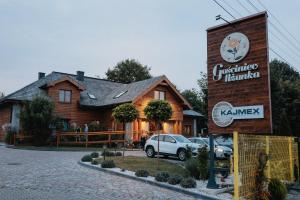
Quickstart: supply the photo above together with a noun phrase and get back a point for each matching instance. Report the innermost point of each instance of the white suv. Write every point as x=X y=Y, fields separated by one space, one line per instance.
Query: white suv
x=170 y=145
x=220 y=151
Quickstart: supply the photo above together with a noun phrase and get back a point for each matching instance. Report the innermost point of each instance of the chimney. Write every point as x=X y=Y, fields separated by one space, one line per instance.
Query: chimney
x=80 y=75
x=41 y=75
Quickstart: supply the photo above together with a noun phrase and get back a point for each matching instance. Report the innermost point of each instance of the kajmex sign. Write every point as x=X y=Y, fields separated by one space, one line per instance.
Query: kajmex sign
x=238 y=76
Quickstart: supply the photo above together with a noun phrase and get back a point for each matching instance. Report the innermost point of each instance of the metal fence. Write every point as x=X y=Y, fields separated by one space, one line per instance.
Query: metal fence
x=282 y=153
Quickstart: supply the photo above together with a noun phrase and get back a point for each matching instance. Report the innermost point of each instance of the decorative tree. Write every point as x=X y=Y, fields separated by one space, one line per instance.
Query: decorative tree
x=158 y=111
x=128 y=71
x=36 y=117
x=125 y=113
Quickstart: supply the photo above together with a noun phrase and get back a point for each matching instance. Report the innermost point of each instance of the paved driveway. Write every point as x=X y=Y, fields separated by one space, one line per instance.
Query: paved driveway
x=43 y=175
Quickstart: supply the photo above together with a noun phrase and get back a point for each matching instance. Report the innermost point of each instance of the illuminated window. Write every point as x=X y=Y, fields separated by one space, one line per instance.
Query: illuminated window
x=161 y=95
x=65 y=96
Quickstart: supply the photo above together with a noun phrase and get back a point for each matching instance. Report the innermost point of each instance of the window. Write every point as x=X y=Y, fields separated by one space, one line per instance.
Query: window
x=169 y=139
x=161 y=137
x=91 y=96
x=161 y=95
x=65 y=96
x=120 y=94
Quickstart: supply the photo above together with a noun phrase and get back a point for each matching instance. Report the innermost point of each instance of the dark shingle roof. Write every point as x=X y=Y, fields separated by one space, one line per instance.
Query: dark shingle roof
x=192 y=113
x=103 y=90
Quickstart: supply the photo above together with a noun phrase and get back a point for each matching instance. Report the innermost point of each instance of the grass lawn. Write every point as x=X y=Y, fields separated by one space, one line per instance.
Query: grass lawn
x=133 y=163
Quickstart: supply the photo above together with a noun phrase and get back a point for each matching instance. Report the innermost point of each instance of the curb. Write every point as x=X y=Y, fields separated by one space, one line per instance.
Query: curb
x=155 y=183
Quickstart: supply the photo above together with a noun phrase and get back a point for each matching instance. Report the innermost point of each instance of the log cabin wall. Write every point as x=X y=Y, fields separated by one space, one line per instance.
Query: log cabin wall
x=5 y=117
x=72 y=111
x=170 y=96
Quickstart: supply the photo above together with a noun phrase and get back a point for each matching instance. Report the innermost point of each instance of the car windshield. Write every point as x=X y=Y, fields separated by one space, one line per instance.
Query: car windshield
x=181 y=139
x=206 y=140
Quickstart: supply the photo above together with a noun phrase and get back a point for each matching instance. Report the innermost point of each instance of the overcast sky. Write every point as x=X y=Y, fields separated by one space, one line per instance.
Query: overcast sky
x=167 y=35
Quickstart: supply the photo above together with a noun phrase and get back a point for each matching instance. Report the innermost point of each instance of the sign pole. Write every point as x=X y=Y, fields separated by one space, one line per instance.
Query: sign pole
x=211 y=184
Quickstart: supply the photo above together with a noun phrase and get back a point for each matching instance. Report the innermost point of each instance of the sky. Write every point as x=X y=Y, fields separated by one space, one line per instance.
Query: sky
x=167 y=35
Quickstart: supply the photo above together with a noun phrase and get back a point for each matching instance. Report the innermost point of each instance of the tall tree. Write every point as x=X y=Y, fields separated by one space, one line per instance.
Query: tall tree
x=125 y=113
x=128 y=71
x=285 y=98
x=36 y=117
x=158 y=111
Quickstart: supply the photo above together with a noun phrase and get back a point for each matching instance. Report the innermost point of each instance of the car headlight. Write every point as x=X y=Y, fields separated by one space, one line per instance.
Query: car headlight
x=220 y=150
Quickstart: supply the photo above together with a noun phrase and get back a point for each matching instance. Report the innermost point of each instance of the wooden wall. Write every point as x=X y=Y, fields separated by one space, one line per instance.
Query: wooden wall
x=5 y=117
x=73 y=111
x=174 y=101
x=244 y=92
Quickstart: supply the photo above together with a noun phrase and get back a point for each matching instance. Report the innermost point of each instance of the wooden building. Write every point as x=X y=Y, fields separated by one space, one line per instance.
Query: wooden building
x=81 y=100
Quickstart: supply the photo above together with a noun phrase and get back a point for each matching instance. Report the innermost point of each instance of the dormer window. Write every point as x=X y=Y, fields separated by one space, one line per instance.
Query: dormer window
x=120 y=94
x=65 y=96
x=160 y=95
x=91 y=96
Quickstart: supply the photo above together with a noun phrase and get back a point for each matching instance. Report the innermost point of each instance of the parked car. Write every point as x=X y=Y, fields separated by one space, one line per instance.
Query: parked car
x=170 y=145
x=225 y=141
x=220 y=151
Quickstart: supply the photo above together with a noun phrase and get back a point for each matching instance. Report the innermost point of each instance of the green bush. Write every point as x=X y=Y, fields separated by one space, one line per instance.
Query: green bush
x=162 y=176
x=40 y=111
x=277 y=189
x=111 y=153
x=95 y=126
x=87 y=158
x=119 y=153
x=192 y=166
x=108 y=164
x=95 y=155
x=142 y=173
x=203 y=163
x=95 y=162
x=188 y=183
x=175 y=179
x=189 y=152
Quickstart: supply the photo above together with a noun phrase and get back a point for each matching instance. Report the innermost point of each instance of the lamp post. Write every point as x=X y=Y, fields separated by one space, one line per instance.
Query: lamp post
x=211 y=184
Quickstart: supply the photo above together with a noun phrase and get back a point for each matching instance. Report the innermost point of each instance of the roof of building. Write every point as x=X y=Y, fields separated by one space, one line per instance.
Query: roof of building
x=97 y=92
x=192 y=113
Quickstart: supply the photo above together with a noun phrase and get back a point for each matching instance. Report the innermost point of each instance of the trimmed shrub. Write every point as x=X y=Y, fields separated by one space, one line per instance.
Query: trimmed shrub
x=95 y=162
x=142 y=173
x=188 y=183
x=119 y=153
x=175 y=179
x=108 y=164
x=162 y=176
x=95 y=155
x=277 y=189
x=189 y=152
x=203 y=163
x=192 y=166
x=87 y=158
x=111 y=153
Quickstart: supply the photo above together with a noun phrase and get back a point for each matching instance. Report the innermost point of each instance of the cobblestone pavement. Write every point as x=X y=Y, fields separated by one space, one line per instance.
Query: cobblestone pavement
x=45 y=175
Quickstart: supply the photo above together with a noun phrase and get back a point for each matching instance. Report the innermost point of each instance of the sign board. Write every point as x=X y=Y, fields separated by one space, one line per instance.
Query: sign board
x=238 y=76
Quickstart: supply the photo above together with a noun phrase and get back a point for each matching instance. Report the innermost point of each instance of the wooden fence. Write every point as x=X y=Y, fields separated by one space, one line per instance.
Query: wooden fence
x=84 y=138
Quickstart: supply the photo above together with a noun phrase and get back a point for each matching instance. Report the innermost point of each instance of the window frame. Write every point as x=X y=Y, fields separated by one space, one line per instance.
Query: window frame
x=64 y=96
x=160 y=92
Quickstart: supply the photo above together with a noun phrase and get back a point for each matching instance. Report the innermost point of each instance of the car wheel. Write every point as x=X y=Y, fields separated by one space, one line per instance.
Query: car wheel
x=182 y=154
x=150 y=152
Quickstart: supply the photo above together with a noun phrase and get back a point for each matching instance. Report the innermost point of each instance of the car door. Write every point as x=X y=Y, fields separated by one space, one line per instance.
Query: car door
x=161 y=144
x=170 y=145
